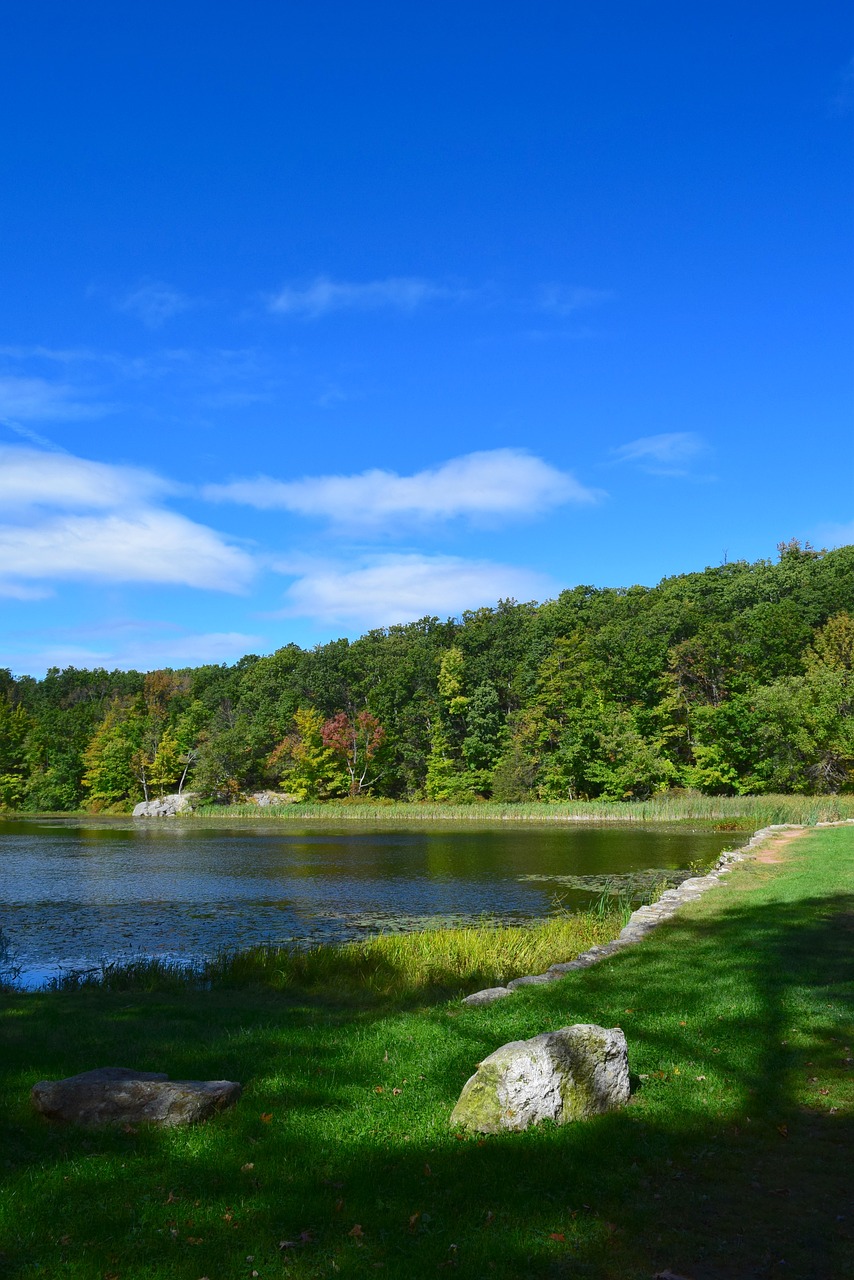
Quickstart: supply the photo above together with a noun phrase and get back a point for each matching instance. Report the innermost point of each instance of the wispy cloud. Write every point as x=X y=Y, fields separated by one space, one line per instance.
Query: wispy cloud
x=32 y=477
x=53 y=535
x=565 y=300
x=40 y=400
x=397 y=293
x=383 y=590
x=488 y=484
x=666 y=455
x=154 y=303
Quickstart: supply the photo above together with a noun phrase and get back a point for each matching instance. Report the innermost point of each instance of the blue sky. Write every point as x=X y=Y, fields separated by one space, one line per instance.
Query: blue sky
x=322 y=317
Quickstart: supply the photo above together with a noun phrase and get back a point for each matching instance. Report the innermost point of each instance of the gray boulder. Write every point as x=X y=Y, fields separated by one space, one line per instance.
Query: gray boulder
x=488 y=996
x=165 y=806
x=563 y=1075
x=115 y=1095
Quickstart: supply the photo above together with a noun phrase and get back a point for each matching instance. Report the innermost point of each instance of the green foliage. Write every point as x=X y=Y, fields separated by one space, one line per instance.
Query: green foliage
x=303 y=763
x=112 y=760
x=730 y=681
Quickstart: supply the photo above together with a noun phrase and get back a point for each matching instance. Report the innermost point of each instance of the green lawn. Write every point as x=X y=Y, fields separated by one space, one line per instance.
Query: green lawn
x=732 y=1161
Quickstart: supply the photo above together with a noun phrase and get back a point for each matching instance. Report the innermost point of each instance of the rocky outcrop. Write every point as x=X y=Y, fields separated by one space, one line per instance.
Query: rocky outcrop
x=562 y=1076
x=116 y=1095
x=165 y=806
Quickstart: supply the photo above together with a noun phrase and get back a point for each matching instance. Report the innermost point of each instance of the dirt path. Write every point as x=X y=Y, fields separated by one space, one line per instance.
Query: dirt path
x=771 y=851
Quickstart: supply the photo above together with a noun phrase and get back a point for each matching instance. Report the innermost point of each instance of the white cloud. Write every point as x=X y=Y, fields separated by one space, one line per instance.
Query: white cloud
x=564 y=300
x=30 y=477
x=38 y=400
x=402 y=588
x=154 y=303
x=664 y=454
x=495 y=482
x=147 y=546
x=53 y=536
x=323 y=295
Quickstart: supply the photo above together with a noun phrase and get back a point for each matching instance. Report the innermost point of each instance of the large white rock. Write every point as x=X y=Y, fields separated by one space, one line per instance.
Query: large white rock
x=165 y=806
x=563 y=1075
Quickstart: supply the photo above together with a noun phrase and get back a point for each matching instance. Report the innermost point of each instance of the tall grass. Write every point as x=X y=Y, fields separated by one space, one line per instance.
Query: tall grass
x=389 y=967
x=741 y=811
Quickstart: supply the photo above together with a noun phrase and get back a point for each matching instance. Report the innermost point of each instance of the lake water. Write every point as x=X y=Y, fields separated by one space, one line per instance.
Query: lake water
x=76 y=893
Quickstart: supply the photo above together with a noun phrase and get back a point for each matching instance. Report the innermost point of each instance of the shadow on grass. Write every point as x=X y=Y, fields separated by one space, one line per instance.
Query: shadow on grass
x=730 y=1163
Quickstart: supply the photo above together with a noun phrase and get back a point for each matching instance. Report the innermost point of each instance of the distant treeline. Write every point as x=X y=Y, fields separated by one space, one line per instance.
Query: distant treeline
x=736 y=680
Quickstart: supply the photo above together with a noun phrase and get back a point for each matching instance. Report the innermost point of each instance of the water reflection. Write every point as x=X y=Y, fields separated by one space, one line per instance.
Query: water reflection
x=75 y=893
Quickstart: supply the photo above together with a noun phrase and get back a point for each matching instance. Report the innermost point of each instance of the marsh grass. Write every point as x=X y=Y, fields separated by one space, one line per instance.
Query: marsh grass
x=392 y=967
x=734 y=813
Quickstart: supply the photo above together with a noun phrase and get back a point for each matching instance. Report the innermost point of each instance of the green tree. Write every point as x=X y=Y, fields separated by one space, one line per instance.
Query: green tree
x=15 y=727
x=110 y=760
x=303 y=762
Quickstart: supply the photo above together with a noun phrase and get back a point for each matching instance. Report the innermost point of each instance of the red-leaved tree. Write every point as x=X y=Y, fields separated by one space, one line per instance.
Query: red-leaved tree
x=355 y=741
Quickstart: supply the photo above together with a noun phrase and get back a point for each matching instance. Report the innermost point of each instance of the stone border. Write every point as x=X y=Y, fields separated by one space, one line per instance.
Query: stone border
x=645 y=919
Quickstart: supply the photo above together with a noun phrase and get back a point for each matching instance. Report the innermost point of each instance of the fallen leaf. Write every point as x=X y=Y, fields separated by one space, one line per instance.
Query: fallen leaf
x=172 y=1198
x=266 y=1117
x=247 y=1168
x=557 y=1235
x=356 y=1232
x=683 y=1024
x=395 y=1092
x=378 y=1089
x=699 y=1077
x=783 y=1130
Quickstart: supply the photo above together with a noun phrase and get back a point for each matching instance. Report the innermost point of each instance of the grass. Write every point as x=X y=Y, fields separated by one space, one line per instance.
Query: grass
x=391 y=968
x=730 y=1161
x=739 y=812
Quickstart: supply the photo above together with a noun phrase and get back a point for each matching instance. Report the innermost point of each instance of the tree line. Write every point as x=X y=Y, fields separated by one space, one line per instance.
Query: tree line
x=735 y=680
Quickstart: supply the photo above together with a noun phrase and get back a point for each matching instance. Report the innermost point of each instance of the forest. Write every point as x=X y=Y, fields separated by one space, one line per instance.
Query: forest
x=735 y=680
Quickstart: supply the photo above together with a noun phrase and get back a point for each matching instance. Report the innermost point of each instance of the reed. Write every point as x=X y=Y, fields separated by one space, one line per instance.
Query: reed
x=740 y=811
x=398 y=967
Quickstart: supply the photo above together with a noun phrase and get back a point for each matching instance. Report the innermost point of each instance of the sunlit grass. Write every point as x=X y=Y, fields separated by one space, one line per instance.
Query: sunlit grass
x=430 y=964
x=741 y=811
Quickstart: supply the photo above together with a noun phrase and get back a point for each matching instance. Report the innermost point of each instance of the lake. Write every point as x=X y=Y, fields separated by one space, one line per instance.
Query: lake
x=76 y=893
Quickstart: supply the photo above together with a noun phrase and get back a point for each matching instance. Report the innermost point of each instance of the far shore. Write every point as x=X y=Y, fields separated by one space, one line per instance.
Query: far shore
x=737 y=812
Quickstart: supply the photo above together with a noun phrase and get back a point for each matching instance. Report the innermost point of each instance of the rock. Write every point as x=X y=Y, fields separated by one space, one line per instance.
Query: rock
x=115 y=1095
x=532 y=980
x=563 y=1075
x=165 y=806
x=488 y=996
x=265 y=798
